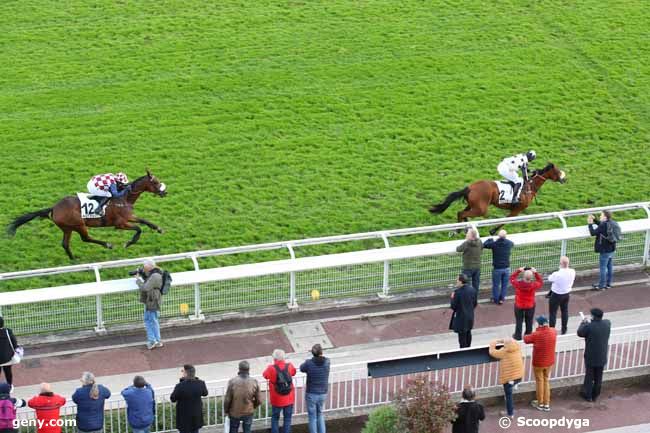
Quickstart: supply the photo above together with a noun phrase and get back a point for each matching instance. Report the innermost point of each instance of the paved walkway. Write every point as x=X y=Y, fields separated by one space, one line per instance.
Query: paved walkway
x=418 y=329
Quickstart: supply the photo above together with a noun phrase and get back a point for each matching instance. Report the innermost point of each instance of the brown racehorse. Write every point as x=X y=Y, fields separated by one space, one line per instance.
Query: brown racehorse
x=483 y=193
x=66 y=214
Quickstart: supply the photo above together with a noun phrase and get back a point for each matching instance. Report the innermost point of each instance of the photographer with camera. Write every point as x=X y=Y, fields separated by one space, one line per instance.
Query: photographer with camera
x=149 y=279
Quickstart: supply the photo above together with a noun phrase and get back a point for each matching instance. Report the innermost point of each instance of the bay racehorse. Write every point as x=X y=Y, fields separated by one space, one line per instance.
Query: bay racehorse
x=483 y=193
x=66 y=214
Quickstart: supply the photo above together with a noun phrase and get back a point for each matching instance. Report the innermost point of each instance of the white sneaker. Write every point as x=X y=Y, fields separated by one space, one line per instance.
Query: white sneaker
x=151 y=346
x=11 y=391
x=158 y=344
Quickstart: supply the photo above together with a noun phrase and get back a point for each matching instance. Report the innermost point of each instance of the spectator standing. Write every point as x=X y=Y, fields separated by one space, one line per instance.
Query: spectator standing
x=471 y=249
x=47 y=405
x=470 y=413
x=501 y=249
x=242 y=398
x=511 y=368
x=605 y=246
x=317 y=370
x=90 y=400
x=596 y=334
x=463 y=303
x=188 y=395
x=279 y=374
x=562 y=283
x=525 y=298
x=8 y=406
x=8 y=345
x=150 y=282
x=543 y=341
x=140 y=405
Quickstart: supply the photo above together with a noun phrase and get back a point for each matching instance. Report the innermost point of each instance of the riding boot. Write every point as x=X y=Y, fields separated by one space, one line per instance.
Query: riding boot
x=100 y=205
x=515 y=194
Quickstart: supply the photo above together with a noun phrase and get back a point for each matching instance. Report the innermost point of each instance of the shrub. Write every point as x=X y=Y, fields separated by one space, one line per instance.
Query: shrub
x=424 y=407
x=382 y=420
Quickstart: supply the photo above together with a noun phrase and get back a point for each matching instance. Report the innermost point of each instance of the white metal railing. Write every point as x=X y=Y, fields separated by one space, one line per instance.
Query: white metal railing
x=382 y=271
x=351 y=388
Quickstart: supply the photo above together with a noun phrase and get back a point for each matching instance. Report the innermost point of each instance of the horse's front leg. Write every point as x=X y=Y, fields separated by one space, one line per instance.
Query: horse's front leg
x=136 y=236
x=135 y=219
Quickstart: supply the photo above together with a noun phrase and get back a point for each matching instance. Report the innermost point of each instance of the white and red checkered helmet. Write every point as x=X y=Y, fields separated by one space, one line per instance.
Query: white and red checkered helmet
x=121 y=178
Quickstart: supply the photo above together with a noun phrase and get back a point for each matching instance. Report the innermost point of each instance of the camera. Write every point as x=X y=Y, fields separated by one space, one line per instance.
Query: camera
x=527 y=268
x=139 y=272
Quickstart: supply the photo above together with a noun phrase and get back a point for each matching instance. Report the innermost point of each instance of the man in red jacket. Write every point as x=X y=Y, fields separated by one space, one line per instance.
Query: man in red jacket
x=543 y=341
x=47 y=405
x=280 y=374
x=525 y=298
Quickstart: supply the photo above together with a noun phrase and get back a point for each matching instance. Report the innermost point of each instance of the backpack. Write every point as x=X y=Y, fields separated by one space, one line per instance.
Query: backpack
x=283 y=380
x=613 y=232
x=7 y=414
x=166 y=282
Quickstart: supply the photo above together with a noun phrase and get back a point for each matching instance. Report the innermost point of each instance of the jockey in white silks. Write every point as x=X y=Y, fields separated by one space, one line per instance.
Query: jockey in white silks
x=510 y=168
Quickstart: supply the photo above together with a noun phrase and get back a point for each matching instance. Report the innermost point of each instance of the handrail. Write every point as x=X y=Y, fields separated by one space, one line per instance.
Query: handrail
x=315 y=241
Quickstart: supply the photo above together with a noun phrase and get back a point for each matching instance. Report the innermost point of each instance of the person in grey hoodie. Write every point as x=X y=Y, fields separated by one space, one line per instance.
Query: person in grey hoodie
x=472 y=249
x=318 y=371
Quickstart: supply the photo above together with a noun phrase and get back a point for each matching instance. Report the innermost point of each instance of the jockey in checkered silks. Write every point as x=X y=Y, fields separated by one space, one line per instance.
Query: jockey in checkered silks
x=510 y=168
x=108 y=186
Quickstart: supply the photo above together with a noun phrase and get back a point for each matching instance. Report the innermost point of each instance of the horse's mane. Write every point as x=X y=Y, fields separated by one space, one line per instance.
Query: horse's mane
x=138 y=180
x=549 y=166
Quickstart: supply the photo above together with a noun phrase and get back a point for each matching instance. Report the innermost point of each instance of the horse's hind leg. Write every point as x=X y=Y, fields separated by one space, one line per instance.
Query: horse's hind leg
x=152 y=226
x=83 y=232
x=65 y=243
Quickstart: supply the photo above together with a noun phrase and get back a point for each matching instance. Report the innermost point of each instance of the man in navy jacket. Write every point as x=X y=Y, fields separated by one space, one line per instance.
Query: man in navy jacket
x=318 y=371
x=501 y=249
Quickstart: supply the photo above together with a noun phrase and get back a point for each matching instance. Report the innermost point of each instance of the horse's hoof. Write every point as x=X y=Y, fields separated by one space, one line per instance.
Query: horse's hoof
x=161 y=231
x=109 y=245
x=128 y=244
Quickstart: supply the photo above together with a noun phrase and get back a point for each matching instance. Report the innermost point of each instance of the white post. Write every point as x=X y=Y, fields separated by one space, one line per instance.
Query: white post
x=386 y=285
x=198 y=314
x=646 y=247
x=293 y=302
x=99 y=328
x=564 y=241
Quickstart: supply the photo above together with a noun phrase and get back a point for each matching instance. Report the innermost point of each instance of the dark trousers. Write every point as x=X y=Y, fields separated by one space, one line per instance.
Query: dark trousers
x=246 y=421
x=593 y=381
x=475 y=275
x=9 y=377
x=465 y=338
x=561 y=301
x=526 y=314
x=507 y=391
x=287 y=412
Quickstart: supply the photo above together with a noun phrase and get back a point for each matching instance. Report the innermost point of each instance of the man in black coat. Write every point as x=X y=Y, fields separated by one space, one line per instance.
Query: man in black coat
x=470 y=414
x=596 y=335
x=463 y=302
x=187 y=396
x=604 y=247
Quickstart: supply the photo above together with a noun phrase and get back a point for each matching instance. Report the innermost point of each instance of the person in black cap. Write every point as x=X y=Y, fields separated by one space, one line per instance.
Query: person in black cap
x=463 y=302
x=596 y=334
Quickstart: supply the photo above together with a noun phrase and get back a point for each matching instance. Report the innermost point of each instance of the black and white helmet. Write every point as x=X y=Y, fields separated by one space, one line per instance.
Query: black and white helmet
x=531 y=155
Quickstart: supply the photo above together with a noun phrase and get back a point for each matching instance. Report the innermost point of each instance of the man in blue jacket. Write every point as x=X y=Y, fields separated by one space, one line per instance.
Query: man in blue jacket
x=140 y=405
x=605 y=247
x=90 y=400
x=501 y=249
x=318 y=372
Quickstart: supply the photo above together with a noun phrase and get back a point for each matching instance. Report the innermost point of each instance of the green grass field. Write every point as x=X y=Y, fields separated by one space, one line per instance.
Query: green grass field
x=278 y=120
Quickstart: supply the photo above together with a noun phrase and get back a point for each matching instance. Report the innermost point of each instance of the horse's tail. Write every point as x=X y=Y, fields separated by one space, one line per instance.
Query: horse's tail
x=43 y=213
x=440 y=208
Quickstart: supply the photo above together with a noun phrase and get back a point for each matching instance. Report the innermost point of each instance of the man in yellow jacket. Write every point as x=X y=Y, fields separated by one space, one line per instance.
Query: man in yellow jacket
x=511 y=368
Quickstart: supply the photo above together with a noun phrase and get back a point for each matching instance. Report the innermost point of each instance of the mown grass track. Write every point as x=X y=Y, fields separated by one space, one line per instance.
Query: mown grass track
x=278 y=120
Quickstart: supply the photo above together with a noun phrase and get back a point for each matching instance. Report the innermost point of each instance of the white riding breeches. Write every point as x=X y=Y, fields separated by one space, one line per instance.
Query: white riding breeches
x=93 y=190
x=504 y=170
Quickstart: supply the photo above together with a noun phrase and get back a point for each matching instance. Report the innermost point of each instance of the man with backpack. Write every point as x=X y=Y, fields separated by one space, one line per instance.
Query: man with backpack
x=280 y=374
x=153 y=283
x=607 y=233
x=8 y=406
x=242 y=398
